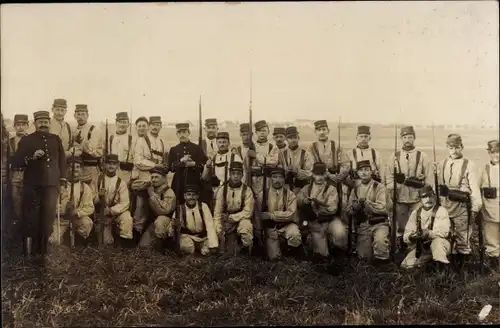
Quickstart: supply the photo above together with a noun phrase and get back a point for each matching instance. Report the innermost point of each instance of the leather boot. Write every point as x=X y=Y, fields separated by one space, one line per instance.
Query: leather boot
x=494 y=263
x=461 y=259
x=28 y=246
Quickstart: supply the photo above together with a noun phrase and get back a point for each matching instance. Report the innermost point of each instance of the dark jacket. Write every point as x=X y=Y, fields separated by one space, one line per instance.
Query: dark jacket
x=46 y=171
x=193 y=174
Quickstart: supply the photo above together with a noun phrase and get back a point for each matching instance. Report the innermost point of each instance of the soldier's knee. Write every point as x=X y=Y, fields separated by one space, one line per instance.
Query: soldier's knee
x=338 y=229
x=186 y=245
x=293 y=236
x=161 y=225
x=85 y=226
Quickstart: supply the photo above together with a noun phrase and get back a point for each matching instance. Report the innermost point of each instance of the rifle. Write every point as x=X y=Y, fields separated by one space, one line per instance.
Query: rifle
x=251 y=145
x=394 y=195
x=436 y=180
x=480 y=237
x=264 y=208
x=177 y=221
x=72 y=199
x=419 y=247
x=224 y=218
x=200 y=125
x=102 y=198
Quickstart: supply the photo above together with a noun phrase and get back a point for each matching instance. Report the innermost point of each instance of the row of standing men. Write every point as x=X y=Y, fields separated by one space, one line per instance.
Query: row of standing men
x=141 y=164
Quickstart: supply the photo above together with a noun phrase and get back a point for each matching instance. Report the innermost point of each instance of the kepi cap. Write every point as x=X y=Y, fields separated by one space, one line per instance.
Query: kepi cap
x=426 y=191
x=320 y=124
x=77 y=159
x=222 y=135
x=81 y=108
x=159 y=170
x=408 y=129
x=279 y=130
x=182 y=126
x=112 y=158
x=244 y=127
x=154 y=119
x=191 y=188
x=277 y=170
x=361 y=164
x=319 y=168
x=20 y=118
x=41 y=114
x=122 y=116
x=291 y=131
x=60 y=103
x=454 y=140
x=493 y=145
x=211 y=121
x=259 y=125
x=236 y=166
x=364 y=129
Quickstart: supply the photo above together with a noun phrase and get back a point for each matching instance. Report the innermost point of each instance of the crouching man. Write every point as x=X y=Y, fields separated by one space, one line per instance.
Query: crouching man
x=426 y=233
x=114 y=196
x=76 y=204
x=276 y=211
x=318 y=203
x=197 y=227
x=368 y=208
x=234 y=204
x=162 y=204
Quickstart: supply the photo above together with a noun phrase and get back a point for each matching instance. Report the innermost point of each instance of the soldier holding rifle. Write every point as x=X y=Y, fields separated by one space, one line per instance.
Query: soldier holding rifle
x=460 y=195
x=298 y=162
x=490 y=218
x=427 y=233
x=59 y=126
x=209 y=145
x=122 y=144
x=363 y=151
x=41 y=155
x=76 y=205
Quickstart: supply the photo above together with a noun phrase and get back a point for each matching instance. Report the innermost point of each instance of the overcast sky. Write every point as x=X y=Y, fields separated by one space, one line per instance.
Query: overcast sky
x=371 y=62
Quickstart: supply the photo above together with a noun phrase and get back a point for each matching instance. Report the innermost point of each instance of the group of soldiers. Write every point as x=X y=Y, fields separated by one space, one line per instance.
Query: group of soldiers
x=263 y=197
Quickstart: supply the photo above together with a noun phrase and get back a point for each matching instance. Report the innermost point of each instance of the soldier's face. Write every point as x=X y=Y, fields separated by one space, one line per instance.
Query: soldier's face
x=322 y=133
x=319 y=178
x=223 y=144
x=263 y=133
x=59 y=112
x=408 y=140
x=211 y=130
x=122 y=126
x=191 y=198
x=81 y=117
x=42 y=124
x=155 y=128
x=428 y=202
x=76 y=175
x=142 y=128
x=235 y=176
x=244 y=137
x=20 y=127
x=365 y=174
x=363 y=139
x=279 y=139
x=454 y=152
x=293 y=141
x=111 y=167
x=157 y=179
x=494 y=156
x=277 y=181
x=183 y=135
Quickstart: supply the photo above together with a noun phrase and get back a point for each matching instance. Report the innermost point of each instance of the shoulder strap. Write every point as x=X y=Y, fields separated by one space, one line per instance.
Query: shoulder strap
x=12 y=143
x=374 y=191
x=69 y=133
x=398 y=157
x=129 y=146
x=419 y=154
x=354 y=154
x=419 y=218
x=285 y=198
x=182 y=219
x=231 y=160
x=204 y=146
x=213 y=165
x=92 y=127
x=433 y=217
x=310 y=188
x=81 y=194
x=239 y=152
x=325 y=189
x=488 y=168
x=464 y=170
x=100 y=181
x=444 y=167
x=270 y=148
x=117 y=185
x=111 y=137
x=285 y=155
x=316 y=152
x=302 y=158
x=202 y=216
x=243 y=196
x=334 y=154
x=148 y=142
x=162 y=145
x=374 y=156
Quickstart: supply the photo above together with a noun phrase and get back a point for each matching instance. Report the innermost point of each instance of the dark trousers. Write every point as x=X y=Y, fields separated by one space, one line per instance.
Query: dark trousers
x=39 y=213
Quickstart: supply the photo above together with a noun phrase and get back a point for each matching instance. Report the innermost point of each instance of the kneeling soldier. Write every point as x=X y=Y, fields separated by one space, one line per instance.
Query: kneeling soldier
x=367 y=204
x=277 y=215
x=318 y=203
x=113 y=195
x=426 y=232
x=197 y=226
x=162 y=205
x=234 y=204
x=79 y=209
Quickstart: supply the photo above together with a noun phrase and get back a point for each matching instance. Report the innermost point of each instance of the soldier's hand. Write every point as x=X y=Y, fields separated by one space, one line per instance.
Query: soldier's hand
x=356 y=205
x=85 y=147
x=70 y=208
x=413 y=237
x=251 y=153
x=213 y=250
x=102 y=193
x=38 y=154
x=209 y=163
x=151 y=191
x=185 y=158
x=107 y=211
x=190 y=163
x=426 y=235
x=307 y=201
x=265 y=216
x=302 y=175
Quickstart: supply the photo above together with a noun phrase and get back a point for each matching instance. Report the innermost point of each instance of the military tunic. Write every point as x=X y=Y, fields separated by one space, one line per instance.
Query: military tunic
x=300 y=162
x=490 y=178
x=123 y=146
x=63 y=130
x=16 y=177
x=210 y=147
x=268 y=153
x=42 y=178
x=89 y=144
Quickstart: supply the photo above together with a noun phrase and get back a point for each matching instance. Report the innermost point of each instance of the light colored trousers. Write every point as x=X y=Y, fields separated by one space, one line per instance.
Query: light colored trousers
x=124 y=222
x=334 y=231
x=459 y=227
x=244 y=230
x=440 y=248
x=83 y=227
x=289 y=232
x=373 y=241
x=17 y=192
x=403 y=212
x=161 y=228
x=492 y=238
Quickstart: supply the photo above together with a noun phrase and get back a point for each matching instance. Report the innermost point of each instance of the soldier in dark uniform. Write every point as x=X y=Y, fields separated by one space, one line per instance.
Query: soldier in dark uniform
x=186 y=160
x=42 y=156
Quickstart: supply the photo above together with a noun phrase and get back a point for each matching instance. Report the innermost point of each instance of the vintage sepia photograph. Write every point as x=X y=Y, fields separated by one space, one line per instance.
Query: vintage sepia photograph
x=250 y=163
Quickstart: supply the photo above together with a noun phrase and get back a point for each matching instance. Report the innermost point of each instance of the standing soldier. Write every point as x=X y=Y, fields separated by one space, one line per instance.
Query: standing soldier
x=162 y=202
x=298 y=162
x=197 y=227
x=121 y=143
x=150 y=153
x=116 y=201
x=42 y=156
x=16 y=173
x=265 y=155
x=242 y=149
x=280 y=220
x=59 y=126
x=318 y=202
x=490 y=212
x=363 y=151
x=460 y=195
x=209 y=144
x=88 y=144
x=279 y=136
x=234 y=214
x=412 y=167
x=80 y=208
x=428 y=230
x=215 y=169
x=186 y=161
x=5 y=210
x=368 y=205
